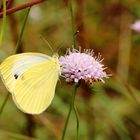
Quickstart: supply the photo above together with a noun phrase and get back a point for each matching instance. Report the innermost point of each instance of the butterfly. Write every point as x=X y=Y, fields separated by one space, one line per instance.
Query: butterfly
x=31 y=79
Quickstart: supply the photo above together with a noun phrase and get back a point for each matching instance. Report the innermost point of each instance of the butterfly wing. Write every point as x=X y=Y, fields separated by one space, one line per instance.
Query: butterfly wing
x=35 y=88
x=15 y=65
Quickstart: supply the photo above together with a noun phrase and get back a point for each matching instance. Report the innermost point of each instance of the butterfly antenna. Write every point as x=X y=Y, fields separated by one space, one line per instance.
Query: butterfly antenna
x=59 y=47
x=62 y=44
x=46 y=42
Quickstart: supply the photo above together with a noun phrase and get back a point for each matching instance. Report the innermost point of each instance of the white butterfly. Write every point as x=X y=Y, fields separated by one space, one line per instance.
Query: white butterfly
x=31 y=78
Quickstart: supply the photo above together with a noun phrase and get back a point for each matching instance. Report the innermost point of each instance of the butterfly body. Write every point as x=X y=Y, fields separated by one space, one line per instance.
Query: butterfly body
x=31 y=78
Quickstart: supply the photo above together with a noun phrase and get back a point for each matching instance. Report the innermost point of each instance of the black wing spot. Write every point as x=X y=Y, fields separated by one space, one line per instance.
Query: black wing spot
x=16 y=76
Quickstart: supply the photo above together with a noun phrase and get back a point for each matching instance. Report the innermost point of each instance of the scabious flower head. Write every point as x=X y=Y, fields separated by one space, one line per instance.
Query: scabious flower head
x=78 y=66
x=135 y=26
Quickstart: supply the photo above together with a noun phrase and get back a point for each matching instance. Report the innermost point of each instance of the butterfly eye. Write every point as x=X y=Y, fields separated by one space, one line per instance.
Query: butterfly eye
x=16 y=76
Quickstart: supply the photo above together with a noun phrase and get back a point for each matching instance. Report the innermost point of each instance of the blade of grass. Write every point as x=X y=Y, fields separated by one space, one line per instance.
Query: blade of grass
x=4 y=103
x=18 y=46
x=16 y=136
x=3 y=22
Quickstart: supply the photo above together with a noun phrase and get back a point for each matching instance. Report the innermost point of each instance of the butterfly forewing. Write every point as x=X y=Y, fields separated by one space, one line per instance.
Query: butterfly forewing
x=14 y=66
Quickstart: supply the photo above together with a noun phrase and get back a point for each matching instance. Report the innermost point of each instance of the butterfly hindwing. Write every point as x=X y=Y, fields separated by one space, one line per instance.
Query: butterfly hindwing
x=35 y=88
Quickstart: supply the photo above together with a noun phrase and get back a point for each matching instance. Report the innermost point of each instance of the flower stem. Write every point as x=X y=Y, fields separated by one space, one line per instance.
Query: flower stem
x=69 y=113
x=77 y=121
x=72 y=24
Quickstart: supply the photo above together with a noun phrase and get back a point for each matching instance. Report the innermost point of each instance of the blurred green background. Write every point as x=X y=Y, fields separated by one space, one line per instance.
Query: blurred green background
x=109 y=111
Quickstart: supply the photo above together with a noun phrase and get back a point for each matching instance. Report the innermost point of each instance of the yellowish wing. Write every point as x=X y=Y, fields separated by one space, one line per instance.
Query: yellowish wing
x=15 y=65
x=35 y=88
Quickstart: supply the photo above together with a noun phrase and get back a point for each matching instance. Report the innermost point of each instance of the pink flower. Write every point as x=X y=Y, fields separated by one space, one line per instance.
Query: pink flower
x=135 y=26
x=78 y=66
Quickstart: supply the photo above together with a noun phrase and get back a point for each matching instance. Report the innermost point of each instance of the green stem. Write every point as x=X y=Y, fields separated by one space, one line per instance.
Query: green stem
x=69 y=113
x=3 y=22
x=72 y=24
x=77 y=121
x=1 y=38
x=4 y=103
x=18 y=46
